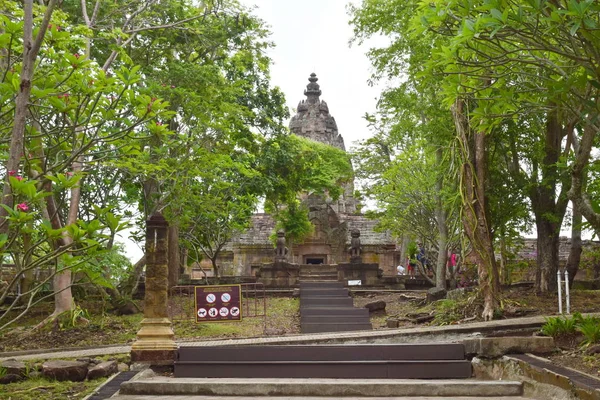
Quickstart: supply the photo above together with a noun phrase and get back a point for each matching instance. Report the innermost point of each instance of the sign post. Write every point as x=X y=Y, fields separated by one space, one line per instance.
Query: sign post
x=218 y=303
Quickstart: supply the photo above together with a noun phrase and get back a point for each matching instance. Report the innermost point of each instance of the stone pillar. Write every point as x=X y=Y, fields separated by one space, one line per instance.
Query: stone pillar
x=155 y=344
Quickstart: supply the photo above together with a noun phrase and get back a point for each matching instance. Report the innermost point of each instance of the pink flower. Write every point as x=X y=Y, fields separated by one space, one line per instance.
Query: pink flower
x=12 y=172
x=159 y=123
x=22 y=207
x=172 y=87
x=18 y=177
x=76 y=55
x=68 y=173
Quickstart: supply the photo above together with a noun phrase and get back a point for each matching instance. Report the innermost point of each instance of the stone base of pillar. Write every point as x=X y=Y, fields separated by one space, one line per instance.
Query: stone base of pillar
x=155 y=344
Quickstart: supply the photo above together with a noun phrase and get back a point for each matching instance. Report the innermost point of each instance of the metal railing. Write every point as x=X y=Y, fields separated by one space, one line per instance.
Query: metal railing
x=181 y=305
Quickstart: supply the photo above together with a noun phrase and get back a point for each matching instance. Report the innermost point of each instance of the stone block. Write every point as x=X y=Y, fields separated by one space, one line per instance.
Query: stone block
x=376 y=306
x=103 y=370
x=14 y=367
x=456 y=293
x=435 y=294
x=392 y=323
x=122 y=367
x=61 y=370
x=499 y=346
x=10 y=378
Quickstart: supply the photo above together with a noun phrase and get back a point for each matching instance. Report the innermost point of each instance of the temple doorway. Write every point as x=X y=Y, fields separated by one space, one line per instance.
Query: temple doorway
x=314 y=260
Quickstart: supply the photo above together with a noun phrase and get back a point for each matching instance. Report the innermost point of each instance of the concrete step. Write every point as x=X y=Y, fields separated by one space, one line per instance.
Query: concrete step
x=321 y=285
x=451 y=369
x=318 y=278
x=326 y=301
x=318 y=273
x=319 y=319
x=340 y=292
x=320 y=327
x=326 y=311
x=363 y=352
x=336 y=388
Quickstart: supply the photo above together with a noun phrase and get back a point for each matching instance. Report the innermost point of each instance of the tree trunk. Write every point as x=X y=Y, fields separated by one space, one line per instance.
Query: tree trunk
x=503 y=262
x=174 y=260
x=548 y=208
x=132 y=282
x=30 y=52
x=440 y=213
x=579 y=198
x=576 y=246
x=63 y=297
x=214 y=266
x=27 y=282
x=475 y=222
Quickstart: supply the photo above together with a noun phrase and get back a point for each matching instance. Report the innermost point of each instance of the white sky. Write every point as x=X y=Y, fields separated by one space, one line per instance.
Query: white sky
x=313 y=36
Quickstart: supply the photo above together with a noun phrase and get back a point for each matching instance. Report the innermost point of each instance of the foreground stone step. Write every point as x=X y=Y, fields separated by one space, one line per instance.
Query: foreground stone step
x=320 y=387
x=451 y=369
x=416 y=351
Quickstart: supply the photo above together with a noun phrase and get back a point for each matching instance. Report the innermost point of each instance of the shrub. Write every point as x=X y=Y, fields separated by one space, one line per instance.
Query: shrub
x=590 y=328
x=557 y=326
x=447 y=312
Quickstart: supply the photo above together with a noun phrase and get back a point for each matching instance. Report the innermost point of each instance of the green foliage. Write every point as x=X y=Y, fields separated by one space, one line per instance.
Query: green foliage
x=448 y=312
x=292 y=166
x=559 y=326
x=71 y=318
x=134 y=116
x=590 y=328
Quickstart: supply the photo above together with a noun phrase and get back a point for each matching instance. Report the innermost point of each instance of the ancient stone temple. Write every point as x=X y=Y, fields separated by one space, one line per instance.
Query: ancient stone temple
x=333 y=220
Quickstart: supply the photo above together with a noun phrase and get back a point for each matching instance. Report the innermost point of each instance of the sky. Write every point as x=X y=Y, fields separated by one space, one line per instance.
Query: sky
x=313 y=36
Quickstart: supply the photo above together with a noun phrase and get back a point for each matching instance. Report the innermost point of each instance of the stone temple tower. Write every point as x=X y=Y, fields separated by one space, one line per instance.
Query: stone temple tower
x=333 y=220
x=314 y=122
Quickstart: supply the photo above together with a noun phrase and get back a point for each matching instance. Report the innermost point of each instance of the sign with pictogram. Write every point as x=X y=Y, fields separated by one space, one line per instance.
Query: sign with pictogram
x=218 y=303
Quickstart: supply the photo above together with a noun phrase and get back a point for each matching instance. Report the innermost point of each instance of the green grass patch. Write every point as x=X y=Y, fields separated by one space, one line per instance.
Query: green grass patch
x=45 y=389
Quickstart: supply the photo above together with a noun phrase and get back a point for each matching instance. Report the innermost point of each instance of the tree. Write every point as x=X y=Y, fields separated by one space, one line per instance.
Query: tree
x=294 y=167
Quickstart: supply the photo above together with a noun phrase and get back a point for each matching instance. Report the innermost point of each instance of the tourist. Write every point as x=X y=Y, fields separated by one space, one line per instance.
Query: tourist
x=411 y=268
x=400 y=269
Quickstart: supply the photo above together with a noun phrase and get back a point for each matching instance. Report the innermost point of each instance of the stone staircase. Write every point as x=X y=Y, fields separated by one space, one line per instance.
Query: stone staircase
x=327 y=307
x=397 y=361
x=318 y=273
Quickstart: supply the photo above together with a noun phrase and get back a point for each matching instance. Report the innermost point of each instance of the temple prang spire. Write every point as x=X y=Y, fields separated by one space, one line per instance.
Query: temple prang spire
x=313 y=90
x=313 y=121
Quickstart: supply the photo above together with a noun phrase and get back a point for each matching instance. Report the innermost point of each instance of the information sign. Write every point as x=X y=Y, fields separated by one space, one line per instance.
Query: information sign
x=218 y=303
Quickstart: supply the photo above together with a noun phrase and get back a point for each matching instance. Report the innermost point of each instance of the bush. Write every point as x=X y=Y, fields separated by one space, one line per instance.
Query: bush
x=558 y=326
x=590 y=328
x=447 y=312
